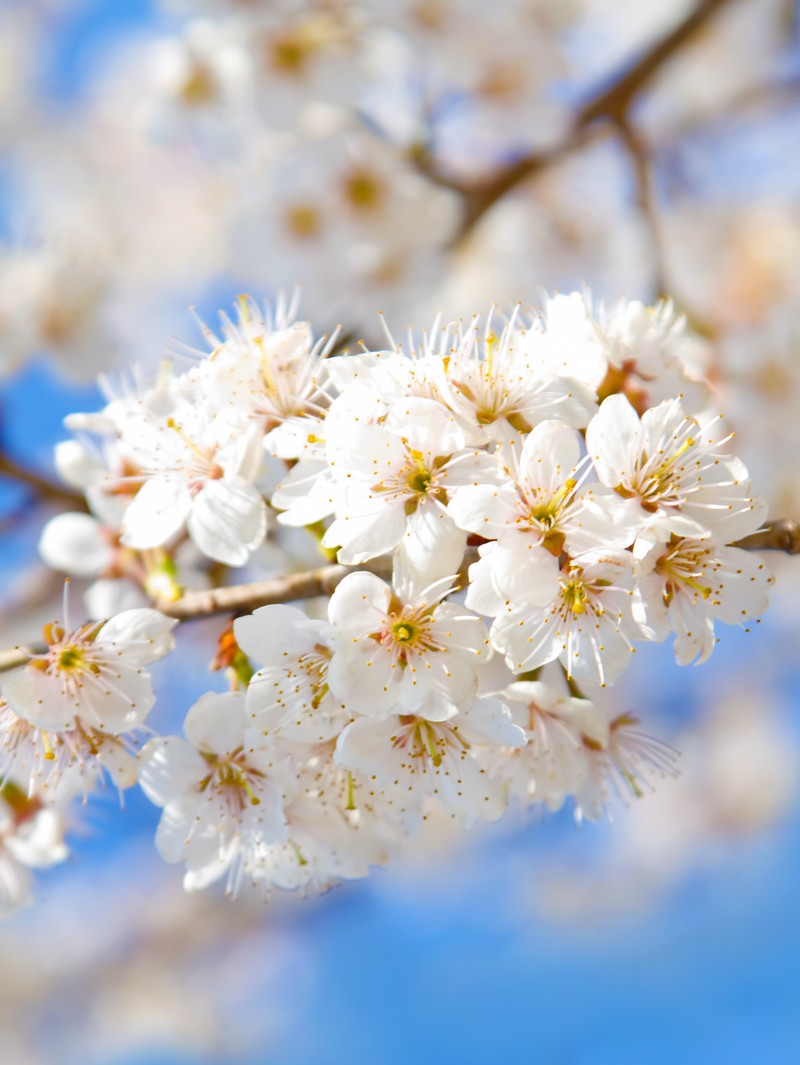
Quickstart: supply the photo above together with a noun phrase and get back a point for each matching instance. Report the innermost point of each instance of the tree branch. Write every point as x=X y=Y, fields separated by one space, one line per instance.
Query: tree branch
x=611 y=103
x=45 y=489
x=783 y=534
x=244 y=598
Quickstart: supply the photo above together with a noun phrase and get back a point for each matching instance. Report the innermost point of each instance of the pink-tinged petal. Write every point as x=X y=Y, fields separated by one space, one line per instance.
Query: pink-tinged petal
x=228 y=520
x=216 y=722
x=157 y=514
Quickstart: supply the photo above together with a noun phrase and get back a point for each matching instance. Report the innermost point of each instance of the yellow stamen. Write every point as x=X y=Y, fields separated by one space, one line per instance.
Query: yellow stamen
x=49 y=753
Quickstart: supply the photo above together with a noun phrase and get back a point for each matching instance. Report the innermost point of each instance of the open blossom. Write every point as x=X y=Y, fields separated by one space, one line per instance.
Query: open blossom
x=672 y=467
x=291 y=693
x=222 y=789
x=417 y=758
x=544 y=500
x=338 y=826
x=623 y=767
x=268 y=365
x=553 y=763
x=60 y=764
x=93 y=676
x=587 y=624
x=688 y=583
x=492 y=385
x=197 y=469
x=393 y=482
x=410 y=655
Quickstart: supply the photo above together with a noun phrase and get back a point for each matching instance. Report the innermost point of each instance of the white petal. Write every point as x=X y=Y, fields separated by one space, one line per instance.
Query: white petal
x=149 y=630
x=76 y=544
x=169 y=768
x=216 y=722
x=158 y=512
x=228 y=520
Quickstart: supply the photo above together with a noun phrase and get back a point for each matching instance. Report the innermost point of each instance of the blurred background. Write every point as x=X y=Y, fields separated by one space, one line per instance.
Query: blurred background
x=415 y=156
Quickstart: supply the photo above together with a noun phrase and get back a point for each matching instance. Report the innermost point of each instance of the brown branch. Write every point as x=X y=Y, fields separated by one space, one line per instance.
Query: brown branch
x=636 y=151
x=45 y=489
x=782 y=534
x=611 y=103
x=615 y=101
x=244 y=598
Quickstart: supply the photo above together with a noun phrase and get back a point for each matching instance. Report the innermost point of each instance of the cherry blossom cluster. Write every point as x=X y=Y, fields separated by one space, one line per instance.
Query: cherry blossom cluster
x=522 y=499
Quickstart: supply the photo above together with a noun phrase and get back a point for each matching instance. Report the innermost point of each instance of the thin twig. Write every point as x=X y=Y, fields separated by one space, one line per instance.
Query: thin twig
x=40 y=485
x=636 y=151
x=611 y=103
x=244 y=598
x=780 y=535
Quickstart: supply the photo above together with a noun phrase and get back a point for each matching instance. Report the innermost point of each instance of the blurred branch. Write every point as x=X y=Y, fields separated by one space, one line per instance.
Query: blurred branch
x=611 y=103
x=780 y=535
x=636 y=151
x=41 y=486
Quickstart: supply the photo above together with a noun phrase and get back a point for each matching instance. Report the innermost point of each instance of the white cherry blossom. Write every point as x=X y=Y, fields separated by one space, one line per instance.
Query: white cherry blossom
x=415 y=757
x=268 y=365
x=687 y=584
x=93 y=676
x=587 y=624
x=410 y=655
x=392 y=485
x=552 y=765
x=291 y=693
x=198 y=469
x=622 y=768
x=673 y=468
x=223 y=790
